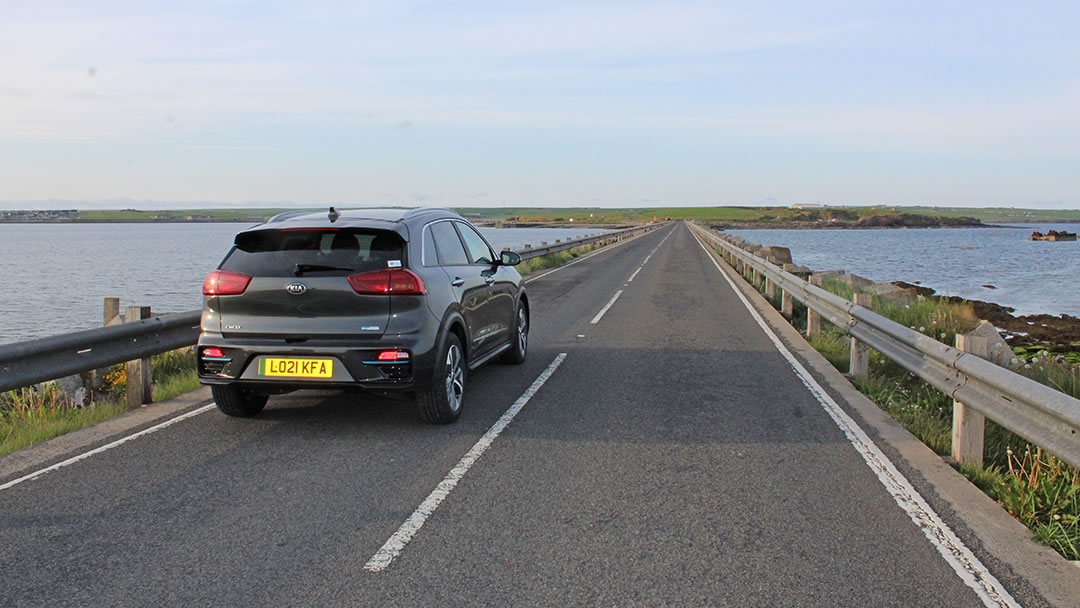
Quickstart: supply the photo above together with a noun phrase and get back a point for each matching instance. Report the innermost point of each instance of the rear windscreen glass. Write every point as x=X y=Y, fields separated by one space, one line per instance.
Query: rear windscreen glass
x=287 y=253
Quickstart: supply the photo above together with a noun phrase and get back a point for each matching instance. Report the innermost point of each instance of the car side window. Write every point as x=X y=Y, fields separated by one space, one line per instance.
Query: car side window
x=479 y=252
x=447 y=243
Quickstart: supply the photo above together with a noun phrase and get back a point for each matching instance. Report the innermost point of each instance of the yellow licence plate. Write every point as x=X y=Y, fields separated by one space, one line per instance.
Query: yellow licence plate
x=296 y=368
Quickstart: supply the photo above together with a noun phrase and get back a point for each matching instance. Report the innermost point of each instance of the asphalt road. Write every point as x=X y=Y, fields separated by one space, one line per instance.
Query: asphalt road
x=672 y=458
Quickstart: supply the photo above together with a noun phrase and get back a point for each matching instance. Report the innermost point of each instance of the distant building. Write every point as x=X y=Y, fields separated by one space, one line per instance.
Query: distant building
x=808 y=206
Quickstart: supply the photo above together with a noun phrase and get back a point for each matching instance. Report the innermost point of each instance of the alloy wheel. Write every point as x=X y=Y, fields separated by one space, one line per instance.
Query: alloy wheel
x=522 y=330
x=455 y=378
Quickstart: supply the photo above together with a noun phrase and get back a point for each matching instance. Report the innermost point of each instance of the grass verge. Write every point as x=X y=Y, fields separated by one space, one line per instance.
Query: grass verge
x=1032 y=485
x=553 y=260
x=33 y=415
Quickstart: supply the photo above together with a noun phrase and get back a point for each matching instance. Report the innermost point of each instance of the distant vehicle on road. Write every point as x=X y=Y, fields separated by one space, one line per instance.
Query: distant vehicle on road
x=390 y=301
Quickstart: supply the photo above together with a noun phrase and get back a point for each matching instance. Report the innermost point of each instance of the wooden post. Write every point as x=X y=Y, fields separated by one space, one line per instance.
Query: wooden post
x=112 y=309
x=770 y=288
x=860 y=353
x=968 y=425
x=813 y=319
x=139 y=371
x=787 y=303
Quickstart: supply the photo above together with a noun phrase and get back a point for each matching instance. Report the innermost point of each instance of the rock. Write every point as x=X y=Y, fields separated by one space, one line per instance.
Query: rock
x=989 y=287
x=98 y=378
x=782 y=254
x=1000 y=351
x=855 y=281
x=69 y=384
x=829 y=275
x=892 y=292
x=925 y=292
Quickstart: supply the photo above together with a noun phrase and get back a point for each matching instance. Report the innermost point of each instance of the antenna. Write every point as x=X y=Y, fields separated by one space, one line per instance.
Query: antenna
x=333 y=215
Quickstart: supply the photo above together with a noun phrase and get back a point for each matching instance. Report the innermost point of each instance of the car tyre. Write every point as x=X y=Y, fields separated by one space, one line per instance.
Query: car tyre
x=441 y=402
x=238 y=402
x=520 y=345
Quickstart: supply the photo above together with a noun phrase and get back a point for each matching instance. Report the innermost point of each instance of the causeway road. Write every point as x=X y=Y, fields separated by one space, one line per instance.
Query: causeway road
x=659 y=447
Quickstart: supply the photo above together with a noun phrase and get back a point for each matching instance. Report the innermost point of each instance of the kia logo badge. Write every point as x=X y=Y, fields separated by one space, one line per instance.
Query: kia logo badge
x=296 y=289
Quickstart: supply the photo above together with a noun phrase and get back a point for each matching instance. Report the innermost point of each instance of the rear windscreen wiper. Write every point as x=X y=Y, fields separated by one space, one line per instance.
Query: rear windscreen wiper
x=302 y=268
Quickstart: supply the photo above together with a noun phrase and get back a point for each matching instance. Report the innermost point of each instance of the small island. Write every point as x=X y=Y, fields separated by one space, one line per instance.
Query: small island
x=1052 y=235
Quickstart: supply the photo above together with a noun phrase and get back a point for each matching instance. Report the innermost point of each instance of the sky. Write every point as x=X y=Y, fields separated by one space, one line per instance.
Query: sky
x=600 y=104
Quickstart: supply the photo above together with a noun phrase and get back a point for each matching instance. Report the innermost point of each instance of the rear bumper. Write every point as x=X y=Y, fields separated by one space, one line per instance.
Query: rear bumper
x=355 y=362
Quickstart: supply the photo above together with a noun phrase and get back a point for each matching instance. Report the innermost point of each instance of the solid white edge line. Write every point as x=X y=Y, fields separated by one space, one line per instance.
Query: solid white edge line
x=393 y=547
x=600 y=314
x=106 y=447
x=631 y=279
x=949 y=546
x=583 y=258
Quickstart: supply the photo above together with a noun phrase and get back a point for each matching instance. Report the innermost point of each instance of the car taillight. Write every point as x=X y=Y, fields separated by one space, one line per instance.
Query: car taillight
x=393 y=356
x=396 y=282
x=225 y=283
x=213 y=353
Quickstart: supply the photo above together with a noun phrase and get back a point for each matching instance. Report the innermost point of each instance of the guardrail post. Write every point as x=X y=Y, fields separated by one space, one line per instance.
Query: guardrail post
x=139 y=371
x=787 y=303
x=112 y=309
x=860 y=353
x=813 y=319
x=969 y=425
x=770 y=289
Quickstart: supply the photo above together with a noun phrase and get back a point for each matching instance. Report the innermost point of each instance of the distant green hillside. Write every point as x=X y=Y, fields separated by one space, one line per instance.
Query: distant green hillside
x=1002 y=215
x=134 y=215
x=756 y=215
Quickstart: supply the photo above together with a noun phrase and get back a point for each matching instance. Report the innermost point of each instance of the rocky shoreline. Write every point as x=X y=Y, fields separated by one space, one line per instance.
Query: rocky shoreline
x=1056 y=334
x=1060 y=334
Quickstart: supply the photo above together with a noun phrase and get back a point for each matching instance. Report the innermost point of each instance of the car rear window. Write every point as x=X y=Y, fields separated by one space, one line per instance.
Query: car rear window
x=292 y=252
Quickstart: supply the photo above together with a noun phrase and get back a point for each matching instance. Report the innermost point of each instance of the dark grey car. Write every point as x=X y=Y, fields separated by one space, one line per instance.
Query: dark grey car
x=386 y=300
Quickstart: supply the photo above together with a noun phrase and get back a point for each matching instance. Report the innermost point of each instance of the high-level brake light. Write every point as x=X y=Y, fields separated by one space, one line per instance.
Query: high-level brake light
x=394 y=282
x=225 y=283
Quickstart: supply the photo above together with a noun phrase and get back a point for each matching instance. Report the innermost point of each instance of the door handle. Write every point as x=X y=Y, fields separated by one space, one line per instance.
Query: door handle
x=457 y=282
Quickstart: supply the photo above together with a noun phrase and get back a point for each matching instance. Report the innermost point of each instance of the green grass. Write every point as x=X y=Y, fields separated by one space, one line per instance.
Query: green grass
x=29 y=416
x=176 y=384
x=1002 y=215
x=552 y=260
x=40 y=420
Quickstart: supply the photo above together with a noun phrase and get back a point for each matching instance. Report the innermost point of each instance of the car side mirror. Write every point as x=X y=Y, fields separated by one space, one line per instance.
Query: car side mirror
x=509 y=258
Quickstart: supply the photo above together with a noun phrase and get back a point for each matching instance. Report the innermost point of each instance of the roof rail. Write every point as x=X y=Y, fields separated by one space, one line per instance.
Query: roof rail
x=419 y=210
x=281 y=217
